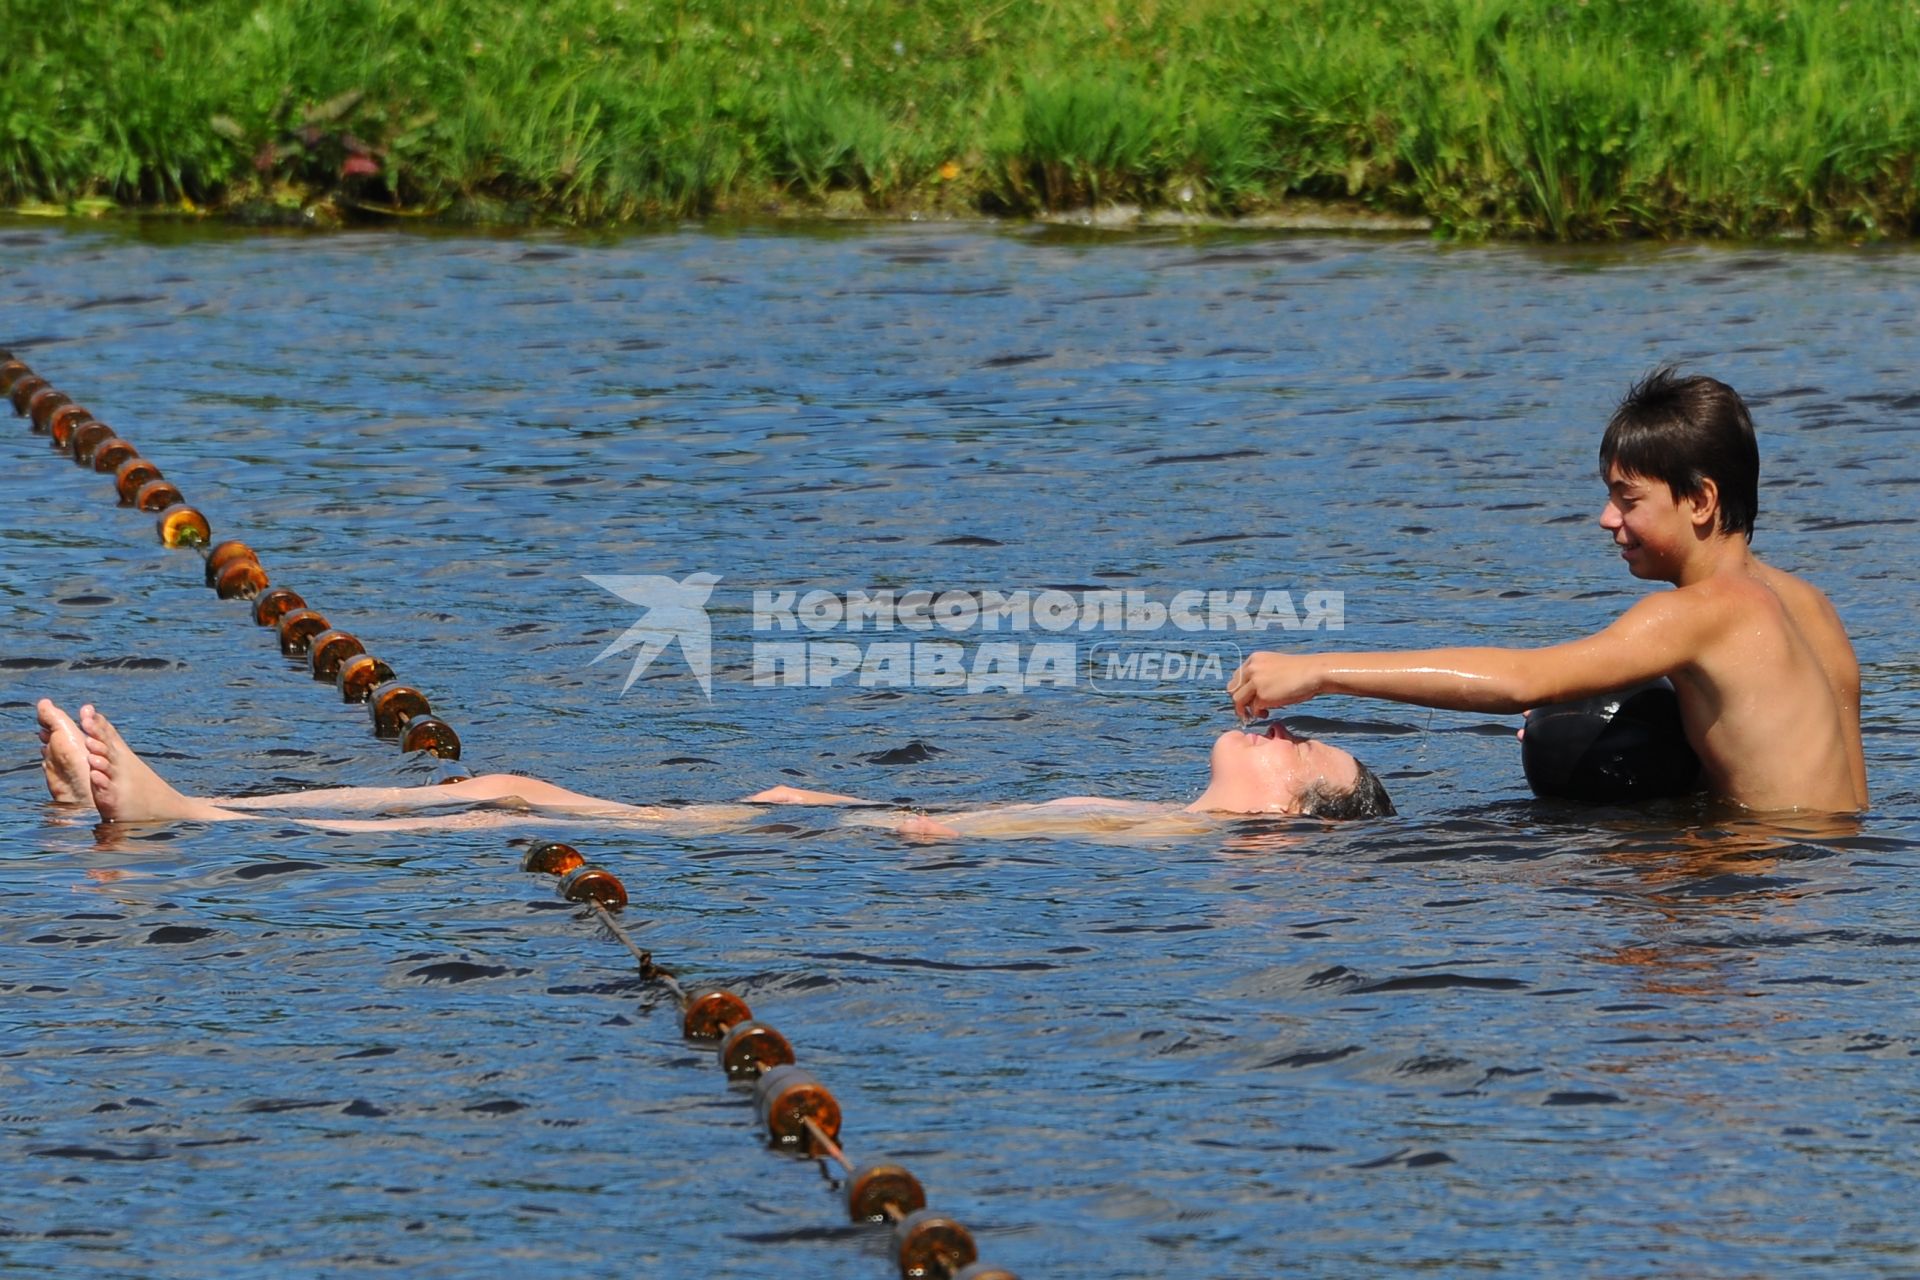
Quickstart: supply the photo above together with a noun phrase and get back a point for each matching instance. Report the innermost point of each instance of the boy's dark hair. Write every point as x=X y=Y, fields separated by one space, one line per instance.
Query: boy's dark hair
x=1682 y=431
x=1367 y=798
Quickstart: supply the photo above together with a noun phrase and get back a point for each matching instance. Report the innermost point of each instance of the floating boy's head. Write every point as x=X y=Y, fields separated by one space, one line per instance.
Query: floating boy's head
x=1277 y=772
x=1690 y=434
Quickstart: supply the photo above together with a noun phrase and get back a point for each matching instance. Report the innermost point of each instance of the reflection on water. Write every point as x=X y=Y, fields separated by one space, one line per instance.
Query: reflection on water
x=1487 y=1035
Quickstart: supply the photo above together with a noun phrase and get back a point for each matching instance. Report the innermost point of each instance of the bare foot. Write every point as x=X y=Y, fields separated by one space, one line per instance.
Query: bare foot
x=125 y=787
x=63 y=756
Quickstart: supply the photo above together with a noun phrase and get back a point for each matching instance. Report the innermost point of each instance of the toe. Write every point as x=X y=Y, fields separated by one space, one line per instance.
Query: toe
x=52 y=719
x=101 y=729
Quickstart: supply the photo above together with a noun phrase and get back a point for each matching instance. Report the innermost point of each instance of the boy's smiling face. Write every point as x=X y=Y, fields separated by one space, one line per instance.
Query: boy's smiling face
x=1653 y=528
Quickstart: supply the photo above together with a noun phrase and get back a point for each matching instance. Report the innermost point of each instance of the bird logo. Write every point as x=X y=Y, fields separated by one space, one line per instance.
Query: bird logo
x=671 y=610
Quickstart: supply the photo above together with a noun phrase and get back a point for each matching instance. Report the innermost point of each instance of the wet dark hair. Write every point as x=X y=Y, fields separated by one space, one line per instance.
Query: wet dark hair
x=1366 y=798
x=1683 y=431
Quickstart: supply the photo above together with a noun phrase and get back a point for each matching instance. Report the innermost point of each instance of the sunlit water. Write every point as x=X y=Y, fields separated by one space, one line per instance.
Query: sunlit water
x=1487 y=1036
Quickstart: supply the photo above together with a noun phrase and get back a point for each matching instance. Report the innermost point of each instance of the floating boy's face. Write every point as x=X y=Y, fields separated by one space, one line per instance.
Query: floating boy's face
x=1269 y=772
x=1653 y=528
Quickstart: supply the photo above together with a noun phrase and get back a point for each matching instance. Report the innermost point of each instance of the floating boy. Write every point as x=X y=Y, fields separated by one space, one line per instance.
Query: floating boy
x=1274 y=772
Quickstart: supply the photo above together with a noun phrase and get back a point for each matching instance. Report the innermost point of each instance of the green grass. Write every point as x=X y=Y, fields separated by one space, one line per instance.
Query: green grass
x=1564 y=119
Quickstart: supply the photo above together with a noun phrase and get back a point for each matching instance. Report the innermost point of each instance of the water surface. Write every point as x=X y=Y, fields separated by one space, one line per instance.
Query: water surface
x=1487 y=1036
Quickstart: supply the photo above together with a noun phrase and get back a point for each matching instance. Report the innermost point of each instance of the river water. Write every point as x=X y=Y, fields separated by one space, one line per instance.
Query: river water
x=1486 y=1036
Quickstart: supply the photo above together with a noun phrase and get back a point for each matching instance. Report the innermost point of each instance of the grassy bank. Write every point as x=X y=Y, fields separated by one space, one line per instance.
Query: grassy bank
x=1536 y=118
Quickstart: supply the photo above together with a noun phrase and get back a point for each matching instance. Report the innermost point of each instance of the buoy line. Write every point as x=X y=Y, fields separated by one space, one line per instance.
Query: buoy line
x=795 y=1111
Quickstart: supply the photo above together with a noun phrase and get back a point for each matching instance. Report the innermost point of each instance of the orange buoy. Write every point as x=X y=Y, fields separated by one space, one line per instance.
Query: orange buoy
x=24 y=388
x=275 y=605
x=594 y=884
x=41 y=406
x=873 y=1189
x=156 y=495
x=432 y=735
x=111 y=452
x=932 y=1247
x=752 y=1049
x=330 y=649
x=130 y=475
x=240 y=580
x=11 y=371
x=552 y=858
x=87 y=437
x=711 y=1012
x=226 y=553
x=786 y=1098
x=62 y=423
x=297 y=629
x=393 y=705
x=182 y=526
x=360 y=676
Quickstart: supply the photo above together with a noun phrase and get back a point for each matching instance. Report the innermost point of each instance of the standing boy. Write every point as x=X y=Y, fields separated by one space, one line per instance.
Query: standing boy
x=1768 y=686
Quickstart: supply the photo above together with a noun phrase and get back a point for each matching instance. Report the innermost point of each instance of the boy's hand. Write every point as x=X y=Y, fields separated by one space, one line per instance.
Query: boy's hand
x=1268 y=680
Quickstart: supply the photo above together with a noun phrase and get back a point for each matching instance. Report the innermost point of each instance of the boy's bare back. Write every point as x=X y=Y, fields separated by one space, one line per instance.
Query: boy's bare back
x=1772 y=700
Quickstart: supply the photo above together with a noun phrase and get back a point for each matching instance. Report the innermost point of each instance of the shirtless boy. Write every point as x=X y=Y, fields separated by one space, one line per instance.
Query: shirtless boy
x=1270 y=772
x=1768 y=686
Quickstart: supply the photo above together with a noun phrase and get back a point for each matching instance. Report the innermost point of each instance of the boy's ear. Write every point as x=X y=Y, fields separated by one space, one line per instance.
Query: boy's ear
x=1703 y=504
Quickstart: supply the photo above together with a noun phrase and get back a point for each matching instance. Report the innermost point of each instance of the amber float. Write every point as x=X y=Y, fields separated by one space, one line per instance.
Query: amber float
x=594 y=884
x=297 y=629
x=330 y=649
x=878 y=1192
x=932 y=1247
x=711 y=1012
x=550 y=857
x=157 y=495
x=182 y=526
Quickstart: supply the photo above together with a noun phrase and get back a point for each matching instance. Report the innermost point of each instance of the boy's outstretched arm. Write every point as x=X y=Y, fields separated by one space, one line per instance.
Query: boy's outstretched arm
x=1658 y=636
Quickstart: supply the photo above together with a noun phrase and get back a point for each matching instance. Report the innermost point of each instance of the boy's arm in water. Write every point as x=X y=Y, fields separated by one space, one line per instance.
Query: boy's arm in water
x=1659 y=636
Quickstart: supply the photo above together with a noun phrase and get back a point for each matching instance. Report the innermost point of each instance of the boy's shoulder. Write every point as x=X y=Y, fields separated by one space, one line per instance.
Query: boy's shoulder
x=1730 y=606
x=1796 y=592
x=1763 y=586
x=1740 y=608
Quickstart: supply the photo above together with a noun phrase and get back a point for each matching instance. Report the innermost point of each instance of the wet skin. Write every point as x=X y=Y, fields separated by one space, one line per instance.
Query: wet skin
x=1768 y=685
x=88 y=762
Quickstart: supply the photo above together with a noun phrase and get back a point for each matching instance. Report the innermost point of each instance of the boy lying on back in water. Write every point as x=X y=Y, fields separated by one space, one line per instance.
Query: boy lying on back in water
x=1272 y=772
x=1768 y=686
